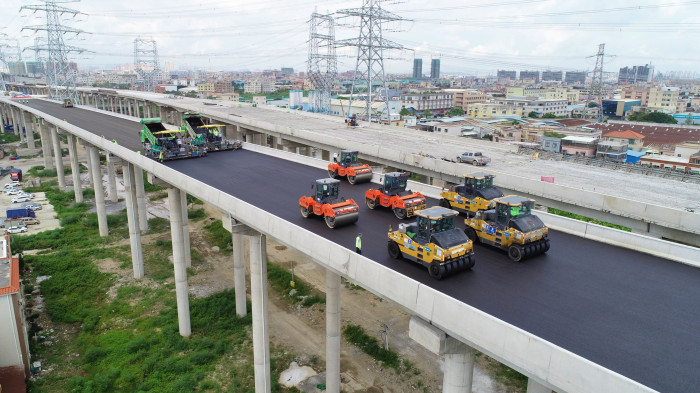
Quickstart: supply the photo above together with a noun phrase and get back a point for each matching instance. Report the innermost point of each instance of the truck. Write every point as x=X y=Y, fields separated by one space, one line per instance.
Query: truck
x=19 y=212
x=16 y=174
x=162 y=144
x=473 y=157
x=477 y=193
x=510 y=226
x=393 y=194
x=434 y=242
x=209 y=136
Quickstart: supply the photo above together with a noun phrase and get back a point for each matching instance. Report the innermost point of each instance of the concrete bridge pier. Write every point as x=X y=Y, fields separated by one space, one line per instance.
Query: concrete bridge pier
x=239 y=273
x=89 y=162
x=141 y=199
x=332 y=331
x=185 y=229
x=458 y=357
x=129 y=111
x=258 y=294
x=96 y=172
x=112 y=178
x=46 y=144
x=29 y=128
x=75 y=167
x=132 y=218
x=57 y=153
x=181 y=287
x=535 y=387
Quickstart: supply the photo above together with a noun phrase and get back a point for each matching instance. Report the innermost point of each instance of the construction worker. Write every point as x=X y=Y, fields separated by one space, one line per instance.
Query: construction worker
x=358 y=244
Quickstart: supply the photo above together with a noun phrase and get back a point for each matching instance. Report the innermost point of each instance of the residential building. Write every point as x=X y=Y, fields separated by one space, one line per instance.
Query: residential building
x=223 y=87
x=435 y=69
x=433 y=101
x=557 y=107
x=579 y=145
x=207 y=87
x=417 y=68
x=615 y=150
x=681 y=164
x=503 y=74
x=556 y=93
x=14 y=345
x=555 y=76
x=575 y=78
x=664 y=137
x=530 y=75
x=228 y=96
x=462 y=98
x=633 y=93
x=620 y=108
x=634 y=140
x=509 y=134
x=687 y=149
x=259 y=100
x=549 y=143
x=259 y=86
x=636 y=74
x=488 y=110
x=663 y=99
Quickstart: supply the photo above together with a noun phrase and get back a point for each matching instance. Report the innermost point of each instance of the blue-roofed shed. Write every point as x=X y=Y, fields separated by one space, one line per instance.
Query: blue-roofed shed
x=633 y=157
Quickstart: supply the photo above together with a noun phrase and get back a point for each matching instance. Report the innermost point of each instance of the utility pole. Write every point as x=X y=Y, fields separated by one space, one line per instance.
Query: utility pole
x=146 y=61
x=322 y=66
x=369 y=68
x=60 y=73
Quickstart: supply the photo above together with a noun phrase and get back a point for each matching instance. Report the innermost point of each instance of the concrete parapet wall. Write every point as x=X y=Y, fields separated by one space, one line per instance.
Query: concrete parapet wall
x=547 y=363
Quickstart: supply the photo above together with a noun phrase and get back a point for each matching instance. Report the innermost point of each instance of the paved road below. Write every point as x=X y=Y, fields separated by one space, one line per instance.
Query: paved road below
x=630 y=312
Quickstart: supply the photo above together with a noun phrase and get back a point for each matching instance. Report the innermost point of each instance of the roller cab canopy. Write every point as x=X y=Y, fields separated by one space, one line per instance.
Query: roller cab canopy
x=151 y=120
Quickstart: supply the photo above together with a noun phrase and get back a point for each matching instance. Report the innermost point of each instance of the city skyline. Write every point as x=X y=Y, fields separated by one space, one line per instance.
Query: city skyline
x=478 y=38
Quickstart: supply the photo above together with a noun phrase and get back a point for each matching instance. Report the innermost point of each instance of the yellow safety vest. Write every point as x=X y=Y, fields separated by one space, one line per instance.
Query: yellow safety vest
x=358 y=242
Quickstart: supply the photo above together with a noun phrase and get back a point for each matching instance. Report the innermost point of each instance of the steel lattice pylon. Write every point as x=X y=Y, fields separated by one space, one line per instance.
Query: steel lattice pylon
x=369 y=69
x=597 y=80
x=146 y=61
x=322 y=66
x=60 y=76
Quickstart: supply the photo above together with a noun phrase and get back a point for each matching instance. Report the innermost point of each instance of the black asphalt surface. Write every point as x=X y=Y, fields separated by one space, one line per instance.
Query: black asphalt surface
x=630 y=312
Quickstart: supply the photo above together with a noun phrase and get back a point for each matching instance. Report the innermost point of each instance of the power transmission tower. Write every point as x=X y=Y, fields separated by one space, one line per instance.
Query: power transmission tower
x=322 y=66
x=369 y=69
x=2 y=74
x=60 y=73
x=146 y=62
x=597 y=80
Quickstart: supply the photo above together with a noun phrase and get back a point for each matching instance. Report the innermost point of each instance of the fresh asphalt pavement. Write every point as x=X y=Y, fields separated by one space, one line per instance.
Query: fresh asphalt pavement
x=630 y=312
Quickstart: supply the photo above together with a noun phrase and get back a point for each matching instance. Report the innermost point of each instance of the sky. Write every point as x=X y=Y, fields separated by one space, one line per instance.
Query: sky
x=470 y=37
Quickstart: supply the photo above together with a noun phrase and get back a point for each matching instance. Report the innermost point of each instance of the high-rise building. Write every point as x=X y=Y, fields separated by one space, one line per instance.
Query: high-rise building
x=435 y=69
x=575 y=77
x=636 y=74
x=530 y=75
x=552 y=76
x=503 y=74
x=417 y=68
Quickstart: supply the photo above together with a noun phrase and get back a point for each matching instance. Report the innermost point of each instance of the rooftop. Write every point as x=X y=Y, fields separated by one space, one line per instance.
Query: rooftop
x=654 y=133
x=627 y=134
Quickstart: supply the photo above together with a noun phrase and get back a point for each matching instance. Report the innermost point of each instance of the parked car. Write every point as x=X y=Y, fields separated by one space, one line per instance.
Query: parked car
x=12 y=191
x=16 y=229
x=15 y=222
x=12 y=184
x=2 y=223
x=30 y=221
x=27 y=194
x=21 y=198
x=473 y=157
x=31 y=205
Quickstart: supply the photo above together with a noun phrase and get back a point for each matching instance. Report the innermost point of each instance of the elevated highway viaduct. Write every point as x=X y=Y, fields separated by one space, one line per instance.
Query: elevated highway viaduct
x=585 y=317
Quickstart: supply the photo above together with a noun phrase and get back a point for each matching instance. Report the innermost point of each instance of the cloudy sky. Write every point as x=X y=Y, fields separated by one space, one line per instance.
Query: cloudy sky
x=470 y=37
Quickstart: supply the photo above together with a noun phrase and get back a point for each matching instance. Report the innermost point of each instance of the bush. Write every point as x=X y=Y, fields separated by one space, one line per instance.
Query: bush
x=369 y=345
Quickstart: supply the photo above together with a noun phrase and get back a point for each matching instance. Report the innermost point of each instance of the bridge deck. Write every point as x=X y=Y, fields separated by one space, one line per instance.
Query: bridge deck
x=633 y=313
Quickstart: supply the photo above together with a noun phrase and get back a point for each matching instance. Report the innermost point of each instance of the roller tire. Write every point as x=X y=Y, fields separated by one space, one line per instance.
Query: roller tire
x=546 y=245
x=435 y=271
x=400 y=213
x=304 y=212
x=471 y=263
x=471 y=234
x=330 y=221
x=352 y=179
x=394 y=250
x=515 y=252
x=445 y=203
x=371 y=203
x=332 y=174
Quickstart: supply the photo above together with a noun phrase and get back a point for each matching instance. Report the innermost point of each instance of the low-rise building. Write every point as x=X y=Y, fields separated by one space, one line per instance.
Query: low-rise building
x=259 y=100
x=259 y=86
x=228 y=96
x=681 y=164
x=620 y=108
x=551 y=144
x=557 y=107
x=462 y=98
x=579 y=145
x=435 y=102
x=488 y=110
x=204 y=88
x=612 y=150
x=663 y=99
x=223 y=87
x=634 y=140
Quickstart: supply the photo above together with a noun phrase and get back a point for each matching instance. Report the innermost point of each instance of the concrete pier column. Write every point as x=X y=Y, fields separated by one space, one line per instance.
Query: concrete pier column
x=186 y=230
x=112 y=178
x=258 y=294
x=75 y=167
x=459 y=367
x=89 y=164
x=332 y=331
x=31 y=123
x=239 y=273
x=128 y=108
x=137 y=108
x=46 y=144
x=17 y=124
x=141 y=199
x=535 y=387
x=181 y=289
x=59 y=159
x=133 y=220
x=99 y=190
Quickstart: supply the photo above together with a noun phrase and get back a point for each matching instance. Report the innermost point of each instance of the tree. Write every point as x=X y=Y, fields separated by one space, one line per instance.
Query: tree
x=487 y=136
x=553 y=134
x=404 y=112
x=455 y=112
x=653 y=117
x=533 y=115
x=426 y=113
x=549 y=115
x=592 y=105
